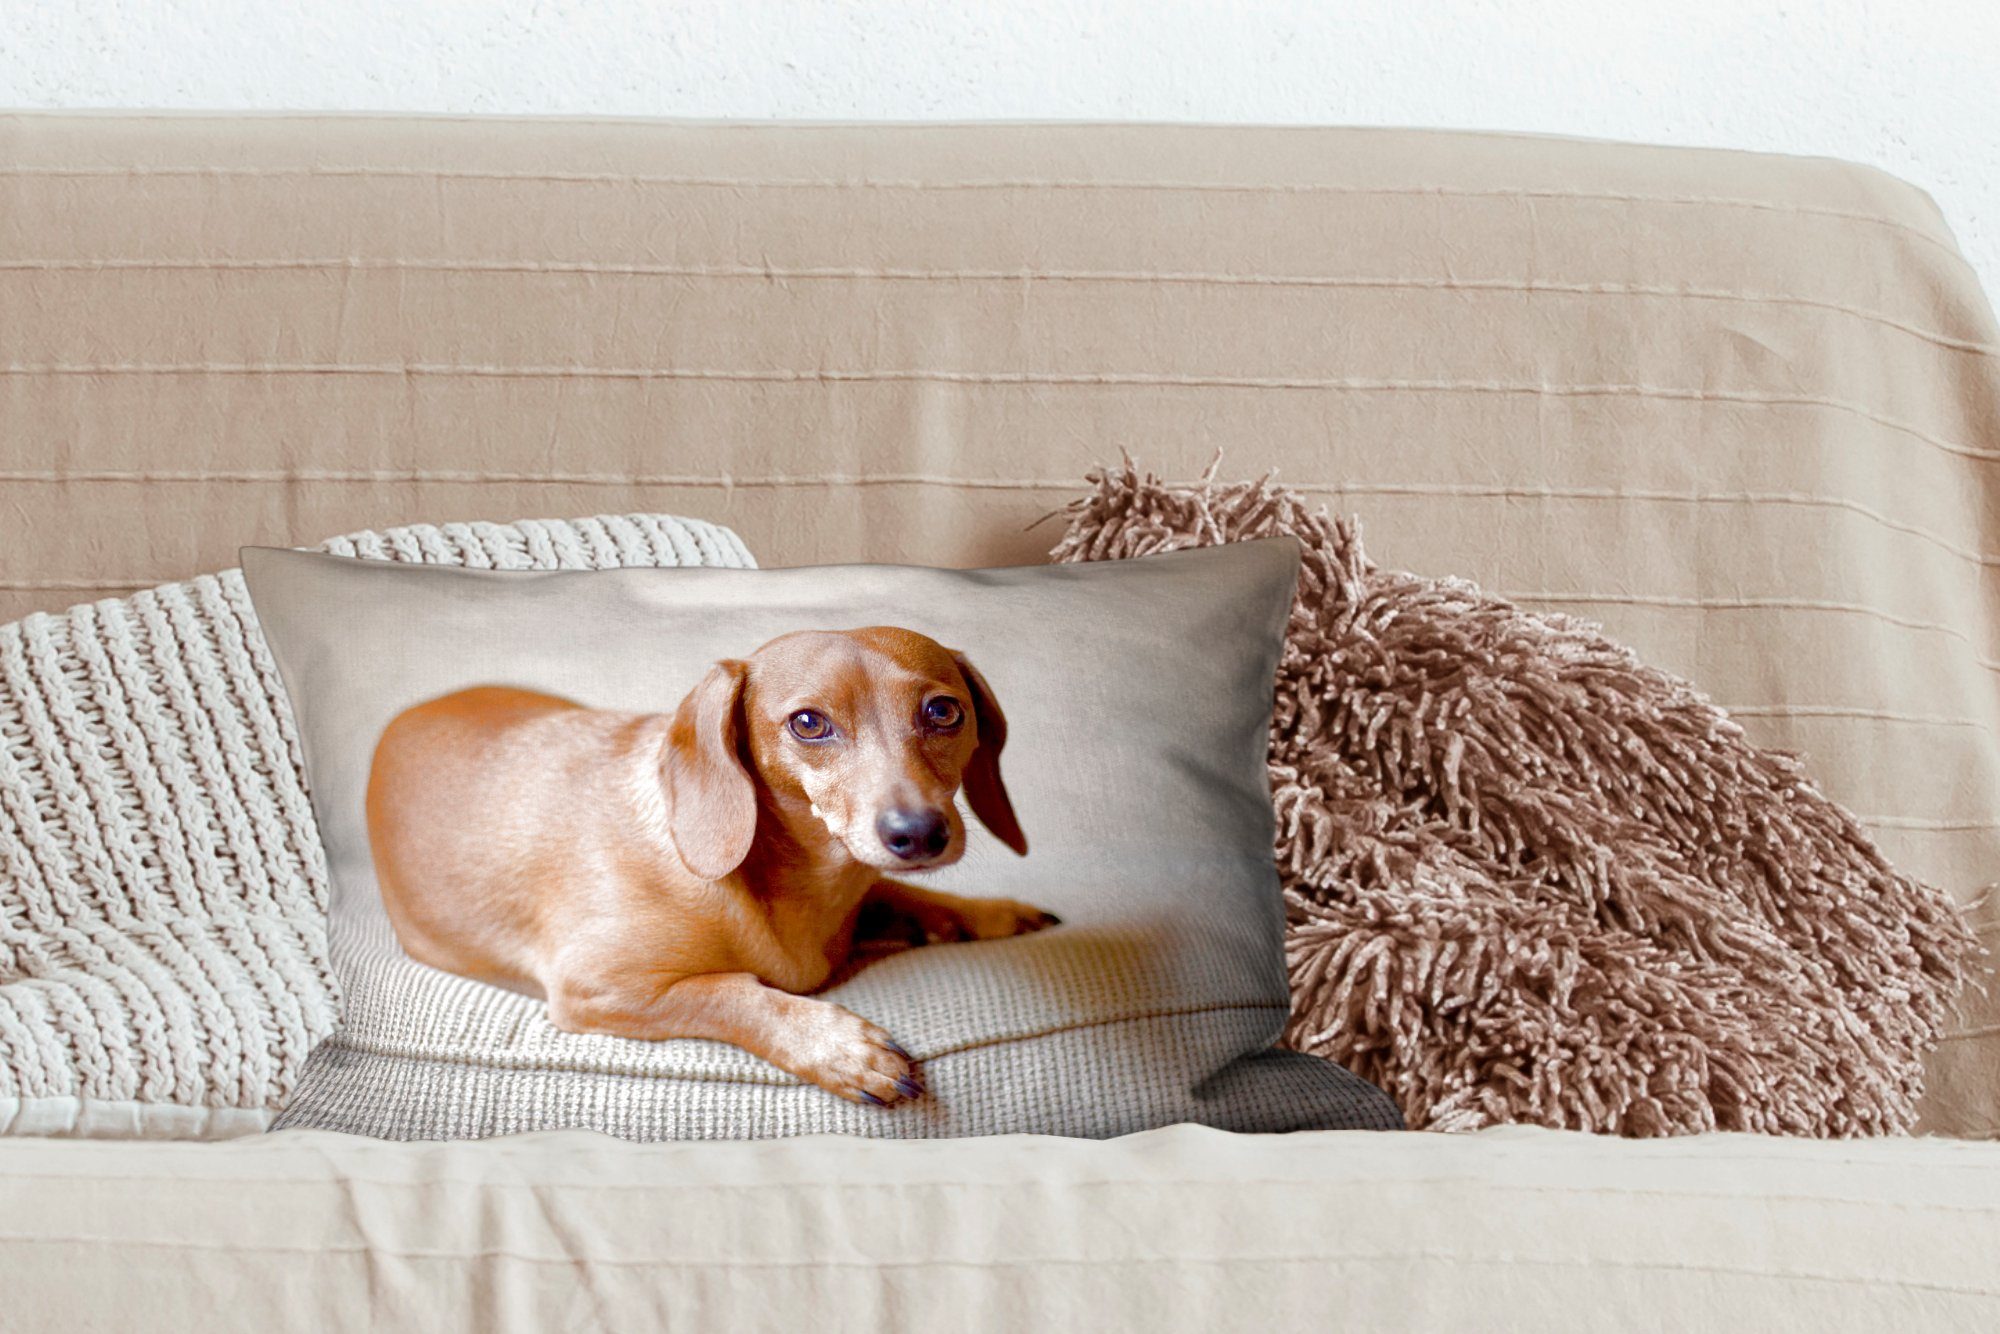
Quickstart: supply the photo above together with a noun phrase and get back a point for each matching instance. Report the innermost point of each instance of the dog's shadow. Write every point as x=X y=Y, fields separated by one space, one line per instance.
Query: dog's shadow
x=881 y=938
x=1080 y=970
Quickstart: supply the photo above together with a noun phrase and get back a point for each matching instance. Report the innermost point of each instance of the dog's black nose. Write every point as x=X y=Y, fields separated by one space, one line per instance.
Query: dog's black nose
x=911 y=834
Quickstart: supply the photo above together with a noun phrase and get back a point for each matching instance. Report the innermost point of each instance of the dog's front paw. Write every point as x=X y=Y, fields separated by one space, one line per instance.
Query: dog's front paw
x=997 y=919
x=854 y=1059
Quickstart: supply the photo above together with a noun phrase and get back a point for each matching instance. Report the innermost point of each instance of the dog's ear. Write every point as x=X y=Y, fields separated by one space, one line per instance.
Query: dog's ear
x=711 y=802
x=984 y=791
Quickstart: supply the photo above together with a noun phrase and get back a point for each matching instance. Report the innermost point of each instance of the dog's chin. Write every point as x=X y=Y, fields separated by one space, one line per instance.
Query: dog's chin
x=882 y=859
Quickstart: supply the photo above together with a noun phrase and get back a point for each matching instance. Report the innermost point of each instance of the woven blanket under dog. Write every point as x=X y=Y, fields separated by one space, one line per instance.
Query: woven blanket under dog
x=1531 y=879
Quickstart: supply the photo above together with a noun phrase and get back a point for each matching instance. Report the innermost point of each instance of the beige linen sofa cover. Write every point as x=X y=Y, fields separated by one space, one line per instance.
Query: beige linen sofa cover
x=1743 y=410
x=1185 y=1228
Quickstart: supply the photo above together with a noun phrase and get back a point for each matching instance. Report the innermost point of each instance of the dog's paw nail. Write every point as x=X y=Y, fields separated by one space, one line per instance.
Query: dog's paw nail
x=1048 y=919
x=868 y=1097
x=909 y=1087
x=897 y=1047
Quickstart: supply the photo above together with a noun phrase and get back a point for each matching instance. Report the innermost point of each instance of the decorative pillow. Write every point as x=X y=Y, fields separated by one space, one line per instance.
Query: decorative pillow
x=163 y=967
x=1532 y=879
x=680 y=854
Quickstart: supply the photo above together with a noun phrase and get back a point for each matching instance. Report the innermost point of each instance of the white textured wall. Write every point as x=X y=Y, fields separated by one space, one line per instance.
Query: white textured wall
x=1913 y=86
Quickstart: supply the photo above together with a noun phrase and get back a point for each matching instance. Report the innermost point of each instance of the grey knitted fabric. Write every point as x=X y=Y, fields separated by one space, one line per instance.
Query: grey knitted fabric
x=163 y=959
x=424 y=1055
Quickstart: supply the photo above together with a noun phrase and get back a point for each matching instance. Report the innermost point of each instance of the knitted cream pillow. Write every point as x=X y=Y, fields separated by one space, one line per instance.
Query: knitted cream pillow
x=163 y=967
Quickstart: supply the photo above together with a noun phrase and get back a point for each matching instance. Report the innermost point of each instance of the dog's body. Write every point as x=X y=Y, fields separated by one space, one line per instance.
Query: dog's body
x=692 y=874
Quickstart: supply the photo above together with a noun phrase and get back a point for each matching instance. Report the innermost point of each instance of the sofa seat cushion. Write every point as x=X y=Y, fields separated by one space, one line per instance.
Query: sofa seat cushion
x=1180 y=1228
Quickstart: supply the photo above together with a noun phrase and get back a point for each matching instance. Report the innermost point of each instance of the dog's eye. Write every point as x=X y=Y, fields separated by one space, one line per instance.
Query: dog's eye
x=943 y=712
x=810 y=725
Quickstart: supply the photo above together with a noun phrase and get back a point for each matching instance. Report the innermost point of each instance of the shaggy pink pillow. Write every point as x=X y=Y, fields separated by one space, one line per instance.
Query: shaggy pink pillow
x=1531 y=879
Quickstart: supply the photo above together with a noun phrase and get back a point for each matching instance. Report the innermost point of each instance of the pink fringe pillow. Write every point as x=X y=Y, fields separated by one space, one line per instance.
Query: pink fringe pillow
x=1531 y=879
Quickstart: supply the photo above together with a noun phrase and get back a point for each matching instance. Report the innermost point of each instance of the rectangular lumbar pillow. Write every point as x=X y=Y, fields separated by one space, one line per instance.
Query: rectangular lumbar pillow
x=163 y=965
x=875 y=850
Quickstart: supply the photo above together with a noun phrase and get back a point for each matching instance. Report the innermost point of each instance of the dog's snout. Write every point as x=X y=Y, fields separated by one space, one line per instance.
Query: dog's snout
x=913 y=833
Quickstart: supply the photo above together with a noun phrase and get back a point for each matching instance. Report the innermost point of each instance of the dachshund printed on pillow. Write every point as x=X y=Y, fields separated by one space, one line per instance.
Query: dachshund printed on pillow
x=694 y=874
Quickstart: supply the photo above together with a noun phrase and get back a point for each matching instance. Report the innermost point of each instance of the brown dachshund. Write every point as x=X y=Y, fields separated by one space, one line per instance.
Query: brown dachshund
x=688 y=875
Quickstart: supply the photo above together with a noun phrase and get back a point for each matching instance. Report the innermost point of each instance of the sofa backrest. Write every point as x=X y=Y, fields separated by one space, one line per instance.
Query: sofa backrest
x=1744 y=410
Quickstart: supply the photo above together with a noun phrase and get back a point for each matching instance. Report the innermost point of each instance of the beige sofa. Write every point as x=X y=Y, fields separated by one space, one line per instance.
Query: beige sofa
x=1743 y=410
